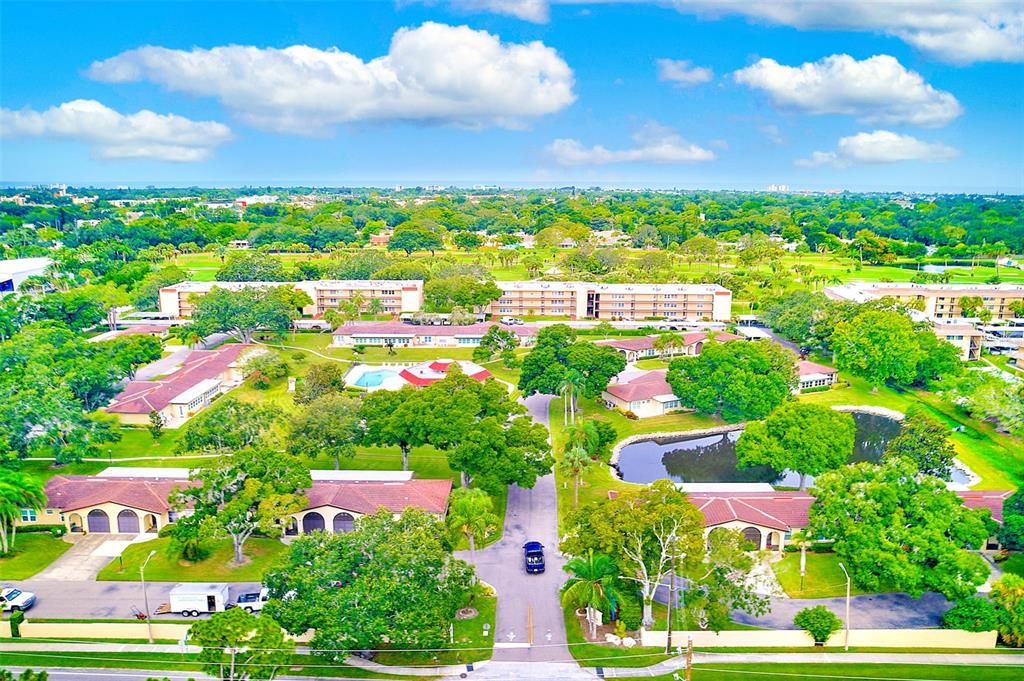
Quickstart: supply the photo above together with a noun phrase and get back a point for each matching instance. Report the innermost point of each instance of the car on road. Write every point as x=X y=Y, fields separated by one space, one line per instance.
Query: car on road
x=252 y=601
x=533 y=557
x=16 y=599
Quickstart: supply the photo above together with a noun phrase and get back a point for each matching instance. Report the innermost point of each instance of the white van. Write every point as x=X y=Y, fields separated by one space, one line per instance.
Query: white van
x=252 y=601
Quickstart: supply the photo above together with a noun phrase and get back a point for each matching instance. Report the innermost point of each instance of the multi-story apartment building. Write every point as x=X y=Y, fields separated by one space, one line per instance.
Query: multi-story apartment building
x=936 y=301
x=395 y=296
x=586 y=300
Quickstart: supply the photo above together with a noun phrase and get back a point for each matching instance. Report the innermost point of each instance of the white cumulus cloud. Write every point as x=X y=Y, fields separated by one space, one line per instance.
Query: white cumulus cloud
x=879 y=146
x=682 y=73
x=144 y=134
x=654 y=144
x=957 y=31
x=876 y=90
x=434 y=73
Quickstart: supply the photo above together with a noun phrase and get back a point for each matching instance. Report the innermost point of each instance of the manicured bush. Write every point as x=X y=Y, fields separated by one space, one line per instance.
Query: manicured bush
x=631 y=611
x=55 y=530
x=819 y=622
x=971 y=614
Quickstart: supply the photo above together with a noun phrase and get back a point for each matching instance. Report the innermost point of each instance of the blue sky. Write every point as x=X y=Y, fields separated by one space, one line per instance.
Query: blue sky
x=512 y=92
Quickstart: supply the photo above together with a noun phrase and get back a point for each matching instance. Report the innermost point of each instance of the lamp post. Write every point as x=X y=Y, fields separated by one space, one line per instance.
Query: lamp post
x=145 y=596
x=846 y=642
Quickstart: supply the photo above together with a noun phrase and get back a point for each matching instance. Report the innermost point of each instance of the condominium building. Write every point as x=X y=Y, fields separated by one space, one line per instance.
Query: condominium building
x=395 y=296
x=968 y=340
x=935 y=301
x=586 y=300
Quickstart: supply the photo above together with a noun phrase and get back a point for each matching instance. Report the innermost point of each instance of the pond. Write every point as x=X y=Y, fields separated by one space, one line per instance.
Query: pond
x=712 y=458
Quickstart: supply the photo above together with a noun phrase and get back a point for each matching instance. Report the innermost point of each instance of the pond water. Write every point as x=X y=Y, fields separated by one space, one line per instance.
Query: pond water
x=712 y=458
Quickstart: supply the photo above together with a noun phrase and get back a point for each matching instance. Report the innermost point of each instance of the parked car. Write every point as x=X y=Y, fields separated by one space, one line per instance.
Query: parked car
x=16 y=599
x=533 y=557
x=252 y=601
x=511 y=321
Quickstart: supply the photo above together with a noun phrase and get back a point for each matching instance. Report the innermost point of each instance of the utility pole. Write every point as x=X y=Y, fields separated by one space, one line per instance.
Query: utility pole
x=689 y=658
x=847 y=640
x=145 y=596
x=671 y=591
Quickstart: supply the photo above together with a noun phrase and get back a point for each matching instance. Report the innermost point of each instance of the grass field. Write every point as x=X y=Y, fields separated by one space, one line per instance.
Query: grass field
x=470 y=643
x=1014 y=564
x=166 y=566
x=31 y=553
x=601 y=655
x=823 y=579
x=838 y=671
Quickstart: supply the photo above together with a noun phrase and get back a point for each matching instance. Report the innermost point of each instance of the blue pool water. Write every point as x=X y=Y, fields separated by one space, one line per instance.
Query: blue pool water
x=371 y=379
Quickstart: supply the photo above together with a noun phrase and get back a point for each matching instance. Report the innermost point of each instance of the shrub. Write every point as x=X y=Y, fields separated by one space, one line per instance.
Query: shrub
x=299 y=356
x=971 y=614
x=55 y=530
x=631 y=611
x=819 y=622
x=631 y=416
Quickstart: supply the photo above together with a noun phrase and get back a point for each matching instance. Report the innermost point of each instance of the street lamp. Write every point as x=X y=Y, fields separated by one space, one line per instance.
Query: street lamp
x=145 y=597
x=847 y=641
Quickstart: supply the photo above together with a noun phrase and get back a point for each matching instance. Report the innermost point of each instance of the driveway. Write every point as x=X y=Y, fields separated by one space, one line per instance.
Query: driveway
x=878 y=611
x=89 y=554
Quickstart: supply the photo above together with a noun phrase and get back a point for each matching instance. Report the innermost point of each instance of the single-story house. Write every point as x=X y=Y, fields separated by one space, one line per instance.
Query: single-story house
x=183 y=393
x=156 y=330
x=112 y=502
x=644 y=393
x=642 y=347
x=400 y=335
x=769 y=519
x=432 y=372
x=813 y=375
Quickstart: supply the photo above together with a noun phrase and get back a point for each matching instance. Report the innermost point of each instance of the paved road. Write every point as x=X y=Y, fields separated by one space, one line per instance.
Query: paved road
x=98 y=600
x=528 y=605
x=880 y=611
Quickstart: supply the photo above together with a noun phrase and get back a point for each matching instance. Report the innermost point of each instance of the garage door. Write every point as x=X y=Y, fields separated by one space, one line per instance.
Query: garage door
x=98 y=521
x=127 y=522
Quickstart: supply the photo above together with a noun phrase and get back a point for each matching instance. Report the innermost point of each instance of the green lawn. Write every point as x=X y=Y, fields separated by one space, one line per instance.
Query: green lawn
x=165 y=567
x=1014 y=564
x=651 y=364
x=823 y=579
x=31 y=553
x=470 y=643
x=838 y=671
x=605 y=655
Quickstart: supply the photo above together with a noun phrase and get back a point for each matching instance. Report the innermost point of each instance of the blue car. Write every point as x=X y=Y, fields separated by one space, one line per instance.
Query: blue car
x=533 y=556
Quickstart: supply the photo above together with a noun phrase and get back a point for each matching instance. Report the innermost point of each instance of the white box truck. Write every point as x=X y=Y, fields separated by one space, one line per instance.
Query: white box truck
x=191 y=599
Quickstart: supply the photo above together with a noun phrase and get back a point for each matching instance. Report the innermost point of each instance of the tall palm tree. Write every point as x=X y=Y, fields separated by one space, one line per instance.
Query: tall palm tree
x=592 y=585
x=571 y=384
x=575 y=462
x=471 y=515
x=17 y=491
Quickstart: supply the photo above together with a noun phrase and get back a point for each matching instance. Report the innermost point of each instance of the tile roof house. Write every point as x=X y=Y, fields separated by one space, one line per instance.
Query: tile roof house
x=131 y=505
x=432 y=372
x=644 y=393
x=202 y=376
x=642 y=347
x=399 y=334
x=812 y=375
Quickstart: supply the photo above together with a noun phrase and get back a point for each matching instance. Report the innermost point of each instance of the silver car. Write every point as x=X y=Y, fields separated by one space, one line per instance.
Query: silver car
x=16 y=599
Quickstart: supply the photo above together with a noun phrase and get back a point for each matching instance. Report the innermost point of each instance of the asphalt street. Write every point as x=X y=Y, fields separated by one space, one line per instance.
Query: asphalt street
x=878 y=611
x=102 y=600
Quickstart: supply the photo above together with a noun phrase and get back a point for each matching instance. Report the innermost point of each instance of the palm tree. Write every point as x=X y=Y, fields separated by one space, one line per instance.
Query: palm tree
x=358 y=299
x=802 y=540
x=592 y=584
x=570 y=387
x=575 y=462
x=375 y=307
x=470 y=515
x=17 y=491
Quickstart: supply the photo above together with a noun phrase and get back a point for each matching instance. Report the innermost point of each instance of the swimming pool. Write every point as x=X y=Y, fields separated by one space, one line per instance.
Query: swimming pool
x=372 y=379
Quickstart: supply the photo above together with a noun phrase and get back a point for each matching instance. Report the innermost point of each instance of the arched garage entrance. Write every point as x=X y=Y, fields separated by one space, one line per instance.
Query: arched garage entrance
x=343 y=522
x=98 y=521
x=128 y=522
x=753 y=535
x=311 y=522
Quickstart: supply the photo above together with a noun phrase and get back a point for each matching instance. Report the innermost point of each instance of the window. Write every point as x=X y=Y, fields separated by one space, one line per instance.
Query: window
x=28 y=515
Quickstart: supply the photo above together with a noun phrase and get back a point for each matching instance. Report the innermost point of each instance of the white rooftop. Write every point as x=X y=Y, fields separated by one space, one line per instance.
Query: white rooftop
x=317 y=475
x=18 y=265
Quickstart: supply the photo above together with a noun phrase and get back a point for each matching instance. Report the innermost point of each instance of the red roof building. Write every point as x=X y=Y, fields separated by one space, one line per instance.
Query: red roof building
x=645 y=394
x=813 y=375
x=398 y=334
x=187 y=390
x=642 y=347
x=432 y=372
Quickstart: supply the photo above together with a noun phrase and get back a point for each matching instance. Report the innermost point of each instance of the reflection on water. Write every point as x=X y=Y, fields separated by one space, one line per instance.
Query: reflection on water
x=712 y=458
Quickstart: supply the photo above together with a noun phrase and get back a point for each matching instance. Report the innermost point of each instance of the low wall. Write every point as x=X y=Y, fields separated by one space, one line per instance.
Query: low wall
x=862 y=638
x=105 y=630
